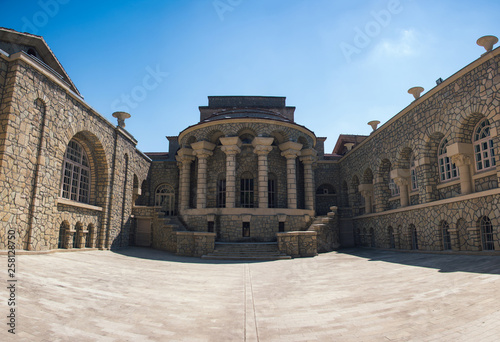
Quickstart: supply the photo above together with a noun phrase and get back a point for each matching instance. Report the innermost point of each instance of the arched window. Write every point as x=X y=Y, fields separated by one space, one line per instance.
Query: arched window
x=76 y=174
x=165 y=198
x=447 y=169
x=487 y=234
x=445 y=235
x=246 y=190
x=413 y=173
x=484 y=151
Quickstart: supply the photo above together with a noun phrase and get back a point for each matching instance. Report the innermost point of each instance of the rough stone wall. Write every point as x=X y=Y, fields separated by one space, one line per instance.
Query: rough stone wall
x=298 y=244
x=38 y=119
x=277 y=165
x=161 y=172
x=450 y=112
x=229 y=129
x=229 y=228
x=216 y=165
x=428 y=221
x=453 y=112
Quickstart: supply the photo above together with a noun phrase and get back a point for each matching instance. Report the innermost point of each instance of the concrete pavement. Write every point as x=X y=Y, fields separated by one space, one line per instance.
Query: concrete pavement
x=141 y=294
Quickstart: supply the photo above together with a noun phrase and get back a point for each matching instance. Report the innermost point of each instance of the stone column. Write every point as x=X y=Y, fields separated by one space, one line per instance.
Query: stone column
x=262 y=147
x=290 y=150
x=461 y=155
x=231 y=146
x=202 y=150
x=463 y=162
x=308 y=157
x=184 y=158
x=366 y=191
x=402 y=179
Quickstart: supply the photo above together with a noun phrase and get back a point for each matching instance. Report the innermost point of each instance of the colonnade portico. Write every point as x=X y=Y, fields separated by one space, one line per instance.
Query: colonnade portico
x=231 y=146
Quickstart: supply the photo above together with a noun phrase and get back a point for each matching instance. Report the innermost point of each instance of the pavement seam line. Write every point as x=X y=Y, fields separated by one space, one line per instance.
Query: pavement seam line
x=253 y=304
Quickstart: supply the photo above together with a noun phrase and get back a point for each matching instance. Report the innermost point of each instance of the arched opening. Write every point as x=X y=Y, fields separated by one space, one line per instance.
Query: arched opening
x=413 y=236
x=165 y=198
x=487 y=238
x=372 y=237
x=326 y=197
x=445 y=236
x=221 y=191
x=390 y=233
x=484 y=149
x=63 y=229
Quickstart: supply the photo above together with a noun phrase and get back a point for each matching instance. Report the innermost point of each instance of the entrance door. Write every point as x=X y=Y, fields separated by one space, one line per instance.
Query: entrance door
x=143 y=232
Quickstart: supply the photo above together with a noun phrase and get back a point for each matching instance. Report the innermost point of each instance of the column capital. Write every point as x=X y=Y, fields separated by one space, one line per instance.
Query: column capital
x=365 y=189
x=227 y=141
x=262 y=149
x=264 y=141
x=308 y=156
x=401 y=182
x=230 y=149
x=400 y=173
x=202 y=146
x=184 y=155
x=460 y=159
x=290 y=149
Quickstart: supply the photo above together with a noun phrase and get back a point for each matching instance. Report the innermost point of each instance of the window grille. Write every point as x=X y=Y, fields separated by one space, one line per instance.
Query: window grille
x=76 y=174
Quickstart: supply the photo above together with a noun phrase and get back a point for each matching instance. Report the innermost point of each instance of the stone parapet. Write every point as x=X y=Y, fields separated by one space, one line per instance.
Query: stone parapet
x=298 y=244
x=195 y=244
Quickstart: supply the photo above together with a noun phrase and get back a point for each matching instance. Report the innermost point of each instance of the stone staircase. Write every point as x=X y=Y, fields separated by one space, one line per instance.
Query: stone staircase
x=246 y=251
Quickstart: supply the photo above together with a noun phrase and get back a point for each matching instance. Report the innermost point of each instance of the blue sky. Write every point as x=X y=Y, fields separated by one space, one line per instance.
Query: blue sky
x=341 y=63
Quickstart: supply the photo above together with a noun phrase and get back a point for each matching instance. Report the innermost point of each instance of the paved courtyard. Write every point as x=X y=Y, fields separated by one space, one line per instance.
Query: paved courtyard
x=354 y=295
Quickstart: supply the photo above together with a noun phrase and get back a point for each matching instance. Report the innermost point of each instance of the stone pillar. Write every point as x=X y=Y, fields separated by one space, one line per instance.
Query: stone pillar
x=475 y=238
x=231 y=146
x=308 y=157
x=463 y=162
x=202 y=150
x=461 y=155
x=402 y=179
x=184 y=158
x=290 y=150
x=366 y=191
x=262 y=147
x=68 y=244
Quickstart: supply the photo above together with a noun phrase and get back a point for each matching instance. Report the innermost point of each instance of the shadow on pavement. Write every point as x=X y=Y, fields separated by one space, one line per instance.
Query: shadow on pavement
x=486 y=264
x=154 y=254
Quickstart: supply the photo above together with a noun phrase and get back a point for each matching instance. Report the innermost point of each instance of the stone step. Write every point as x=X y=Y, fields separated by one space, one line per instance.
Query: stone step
x=246 y=251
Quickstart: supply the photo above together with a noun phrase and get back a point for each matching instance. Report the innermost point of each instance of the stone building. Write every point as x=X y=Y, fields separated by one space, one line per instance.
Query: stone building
x=246 y=172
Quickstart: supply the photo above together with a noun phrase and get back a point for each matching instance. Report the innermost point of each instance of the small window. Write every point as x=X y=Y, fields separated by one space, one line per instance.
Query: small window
x=395 y=190
x=281 y=227
x=210 y=226
x=246 y=229
x=31 y=52
x=413 y=173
